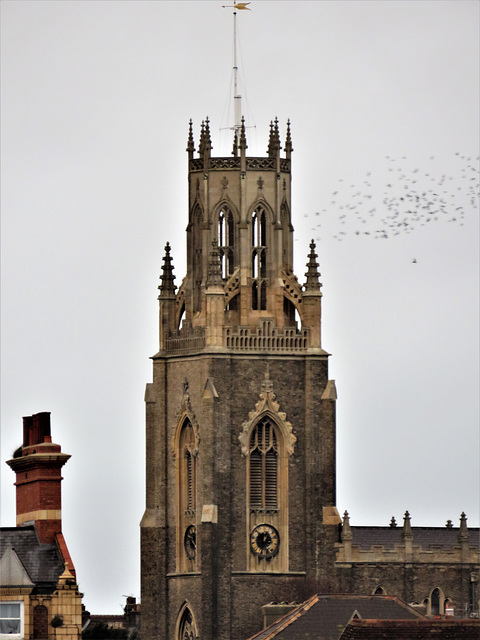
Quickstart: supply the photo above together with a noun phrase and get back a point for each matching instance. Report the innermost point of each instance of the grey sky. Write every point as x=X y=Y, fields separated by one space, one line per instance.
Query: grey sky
x=96 y=98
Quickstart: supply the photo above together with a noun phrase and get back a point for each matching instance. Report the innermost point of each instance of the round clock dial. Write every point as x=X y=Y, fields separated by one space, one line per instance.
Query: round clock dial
x=264 y=541
x=190 y=542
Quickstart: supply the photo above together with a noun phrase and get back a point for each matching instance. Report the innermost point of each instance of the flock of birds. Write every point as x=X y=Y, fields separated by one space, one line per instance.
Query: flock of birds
x=402 y=200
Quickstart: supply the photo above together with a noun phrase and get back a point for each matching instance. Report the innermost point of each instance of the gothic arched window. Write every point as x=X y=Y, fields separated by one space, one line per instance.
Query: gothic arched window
x=186 y=628
x=186 y=455
x=435 y=602
x=225 y=233
x=259 y=259
x=197 y=258
x=263 y=466
x=187 y=464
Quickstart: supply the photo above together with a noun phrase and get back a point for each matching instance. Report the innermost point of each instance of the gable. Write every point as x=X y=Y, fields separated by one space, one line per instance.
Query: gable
x=12 y=571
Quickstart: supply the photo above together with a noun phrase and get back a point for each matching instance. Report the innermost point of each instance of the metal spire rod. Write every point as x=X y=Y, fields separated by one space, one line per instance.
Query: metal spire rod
x=237 y=99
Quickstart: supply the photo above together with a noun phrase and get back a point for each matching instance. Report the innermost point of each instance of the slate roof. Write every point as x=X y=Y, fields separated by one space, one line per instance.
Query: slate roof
x=325 y=617
x=412 y=630
x=43 y=562
x=427 y=537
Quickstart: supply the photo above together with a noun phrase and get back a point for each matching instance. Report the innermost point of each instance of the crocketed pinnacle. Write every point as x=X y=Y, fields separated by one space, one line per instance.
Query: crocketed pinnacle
x=312 y=274
x=235 y=144
x=207 y=140
x=243 y=137
x=214 y=275
x=288 y=141
x=190 y=142
x=167 y=286
x=201 y=144
x=273 y=140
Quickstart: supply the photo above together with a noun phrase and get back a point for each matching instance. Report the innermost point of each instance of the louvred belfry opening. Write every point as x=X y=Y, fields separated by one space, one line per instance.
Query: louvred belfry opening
x=263 y=466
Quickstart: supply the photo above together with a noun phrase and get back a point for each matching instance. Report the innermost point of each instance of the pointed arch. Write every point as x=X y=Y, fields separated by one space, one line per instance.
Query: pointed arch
x=436 y=602
x=186 y=627
x=260 y=217
x=287 y=232
x=185 y=445
x=197 y=253
x=226 y=216
x=267 y=442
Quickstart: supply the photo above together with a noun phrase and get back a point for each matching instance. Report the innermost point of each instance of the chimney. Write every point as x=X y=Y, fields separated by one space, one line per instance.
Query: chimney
x=37 y=465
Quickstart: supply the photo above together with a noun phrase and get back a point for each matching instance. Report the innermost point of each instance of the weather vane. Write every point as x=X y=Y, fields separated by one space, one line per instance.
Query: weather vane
x=237 y=99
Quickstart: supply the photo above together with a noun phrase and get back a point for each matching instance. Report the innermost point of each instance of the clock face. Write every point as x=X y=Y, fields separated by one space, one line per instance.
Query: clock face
x=264 y=541
x=190 y=542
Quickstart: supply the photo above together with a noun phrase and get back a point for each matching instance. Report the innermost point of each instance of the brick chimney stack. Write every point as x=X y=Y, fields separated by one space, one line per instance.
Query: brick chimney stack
x=37 y=465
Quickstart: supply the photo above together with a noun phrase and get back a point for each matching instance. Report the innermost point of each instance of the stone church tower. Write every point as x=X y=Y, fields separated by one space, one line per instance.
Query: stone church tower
x=240 y=416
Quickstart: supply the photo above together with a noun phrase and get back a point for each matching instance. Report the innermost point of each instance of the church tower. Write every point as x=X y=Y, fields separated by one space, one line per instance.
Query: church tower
x=240 y=416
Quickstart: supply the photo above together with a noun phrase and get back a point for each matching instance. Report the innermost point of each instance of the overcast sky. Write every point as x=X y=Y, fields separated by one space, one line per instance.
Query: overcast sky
x=383 y=99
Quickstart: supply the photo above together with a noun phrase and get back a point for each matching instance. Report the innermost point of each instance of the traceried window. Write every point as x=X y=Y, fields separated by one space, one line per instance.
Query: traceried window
x=226 y=241
x=187 y=629
x=11 y=619
x=187 y=469
x=197 y=259
x=186 y=455
x=259 y=259
x=263 y=467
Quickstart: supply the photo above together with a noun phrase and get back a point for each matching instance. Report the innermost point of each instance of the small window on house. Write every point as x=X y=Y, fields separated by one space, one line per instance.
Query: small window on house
x=11 y=619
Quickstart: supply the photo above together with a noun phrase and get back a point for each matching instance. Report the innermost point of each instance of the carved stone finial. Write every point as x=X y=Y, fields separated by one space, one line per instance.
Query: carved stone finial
x=260 y=183
x=267 y=385
x=312 y=274
x=267 y=403
x=449 y=524
x=167 y=286
x=224 y=183
x=463 y=532
x=235 y=144
x=185 y=385
x=407 y=528
x=243 y=137
x=271 y=143
x=208 y=140
x=393 y=522
x=288 y=141
x=201 y=144
x=346 y=529
x=190 y=142
x=277 y=136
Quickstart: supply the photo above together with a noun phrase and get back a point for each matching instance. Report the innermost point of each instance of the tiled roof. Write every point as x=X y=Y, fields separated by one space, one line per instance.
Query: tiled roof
x=325 y=617
x=42 y=562
x=412 y=630
x=426 y=537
